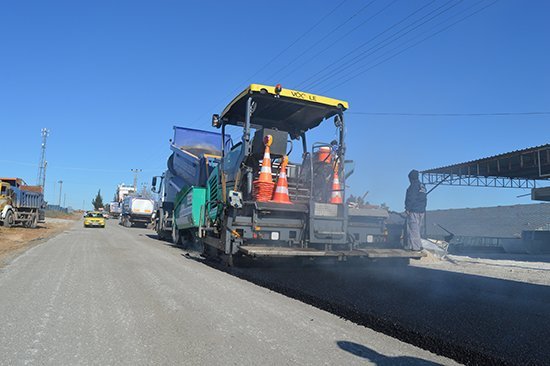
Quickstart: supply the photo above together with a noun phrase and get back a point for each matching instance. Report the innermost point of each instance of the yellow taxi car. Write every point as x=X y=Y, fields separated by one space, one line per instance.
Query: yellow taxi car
x=94 y=219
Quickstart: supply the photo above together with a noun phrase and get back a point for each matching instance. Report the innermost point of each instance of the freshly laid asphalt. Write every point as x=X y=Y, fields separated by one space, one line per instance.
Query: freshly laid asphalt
x=471 y=318
x=118 y=296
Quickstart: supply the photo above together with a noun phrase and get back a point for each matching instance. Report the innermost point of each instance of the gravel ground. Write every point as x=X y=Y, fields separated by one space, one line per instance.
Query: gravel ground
x=57 y=220
x=15 y=240
x=534 y=269
x=117 y=296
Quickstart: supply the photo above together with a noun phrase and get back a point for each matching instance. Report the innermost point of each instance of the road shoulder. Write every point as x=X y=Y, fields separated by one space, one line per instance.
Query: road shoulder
x=17 y=240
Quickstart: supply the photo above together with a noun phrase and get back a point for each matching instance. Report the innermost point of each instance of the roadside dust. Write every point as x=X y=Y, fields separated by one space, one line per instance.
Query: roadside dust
x=15 y=240
x=533 y=269
x=428 y=258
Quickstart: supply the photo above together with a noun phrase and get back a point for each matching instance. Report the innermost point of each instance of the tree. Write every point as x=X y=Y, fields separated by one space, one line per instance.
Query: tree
x=98 y=201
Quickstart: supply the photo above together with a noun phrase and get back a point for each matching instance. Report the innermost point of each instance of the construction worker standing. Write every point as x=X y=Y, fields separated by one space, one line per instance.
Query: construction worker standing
x=415 y=208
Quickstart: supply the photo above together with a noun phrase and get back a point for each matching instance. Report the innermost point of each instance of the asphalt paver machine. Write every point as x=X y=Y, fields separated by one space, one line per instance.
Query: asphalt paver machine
x=233 y=218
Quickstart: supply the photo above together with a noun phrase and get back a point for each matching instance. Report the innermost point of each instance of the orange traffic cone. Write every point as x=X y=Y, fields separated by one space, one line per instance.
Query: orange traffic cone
x=336 y=196
x=281 y=191
x=265 y=172
x=263 y=187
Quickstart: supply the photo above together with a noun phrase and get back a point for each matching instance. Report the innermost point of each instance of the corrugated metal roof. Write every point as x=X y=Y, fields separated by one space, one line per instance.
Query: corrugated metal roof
x=522 y=163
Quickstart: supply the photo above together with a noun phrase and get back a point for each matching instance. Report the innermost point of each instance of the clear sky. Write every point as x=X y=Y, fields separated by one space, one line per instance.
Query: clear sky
x=110 y=78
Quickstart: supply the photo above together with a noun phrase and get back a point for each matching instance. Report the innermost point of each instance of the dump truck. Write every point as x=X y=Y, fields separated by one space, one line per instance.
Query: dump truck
x=194 y=155
x=20 y=204
x=231 y=208
x=136 y=211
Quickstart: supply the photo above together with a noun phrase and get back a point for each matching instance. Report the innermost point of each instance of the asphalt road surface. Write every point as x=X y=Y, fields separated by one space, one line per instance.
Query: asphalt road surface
x=117 y=296
x=471 y=318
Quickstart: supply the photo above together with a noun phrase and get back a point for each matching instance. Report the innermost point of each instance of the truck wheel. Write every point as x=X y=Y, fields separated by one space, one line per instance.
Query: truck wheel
x=186 y=239
x=176 y=236
x=229 y=260
x=9 y=220
x=33 y=221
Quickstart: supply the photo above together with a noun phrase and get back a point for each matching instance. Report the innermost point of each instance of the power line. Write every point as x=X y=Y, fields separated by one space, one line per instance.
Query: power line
x=338 y=40
x=451 y=114
x=364 y=44
x=382 y=44
x=415 y=37
x=294 y=59
x=299 y=38
x=398 y=47
x=413 y=45
x=386 y=42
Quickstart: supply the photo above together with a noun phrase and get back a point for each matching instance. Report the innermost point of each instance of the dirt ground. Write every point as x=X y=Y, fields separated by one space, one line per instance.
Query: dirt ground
x=17 y=239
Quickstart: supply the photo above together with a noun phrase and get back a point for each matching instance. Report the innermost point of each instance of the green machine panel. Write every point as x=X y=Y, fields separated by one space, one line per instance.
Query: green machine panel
x=189 y=208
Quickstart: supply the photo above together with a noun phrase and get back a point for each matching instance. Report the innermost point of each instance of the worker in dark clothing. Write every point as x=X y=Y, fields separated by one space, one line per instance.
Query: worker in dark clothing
x=415 y=208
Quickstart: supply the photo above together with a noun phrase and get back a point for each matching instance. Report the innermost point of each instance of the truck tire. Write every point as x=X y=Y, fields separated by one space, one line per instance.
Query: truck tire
x=9 y=220
x=176 y=236
x=32 y=221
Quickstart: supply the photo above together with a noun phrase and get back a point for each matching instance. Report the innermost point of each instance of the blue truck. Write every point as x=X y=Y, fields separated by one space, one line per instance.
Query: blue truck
x=20 y=204
x=194 y=154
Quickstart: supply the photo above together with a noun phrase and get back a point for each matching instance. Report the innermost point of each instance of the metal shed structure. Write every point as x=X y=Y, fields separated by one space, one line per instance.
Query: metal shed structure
x=516 y=169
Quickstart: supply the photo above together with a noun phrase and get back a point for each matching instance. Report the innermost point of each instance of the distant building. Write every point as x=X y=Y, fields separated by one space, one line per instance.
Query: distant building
x=122 y=191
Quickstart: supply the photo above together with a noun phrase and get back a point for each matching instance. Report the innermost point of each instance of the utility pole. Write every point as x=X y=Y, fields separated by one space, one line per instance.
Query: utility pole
x=60 y=190
x=144 y=192
x=136 y=172
x=44 y=177
x=41 y=178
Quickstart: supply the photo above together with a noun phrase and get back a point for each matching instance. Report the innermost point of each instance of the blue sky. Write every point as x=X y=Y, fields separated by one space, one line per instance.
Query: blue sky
x=109 y=79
